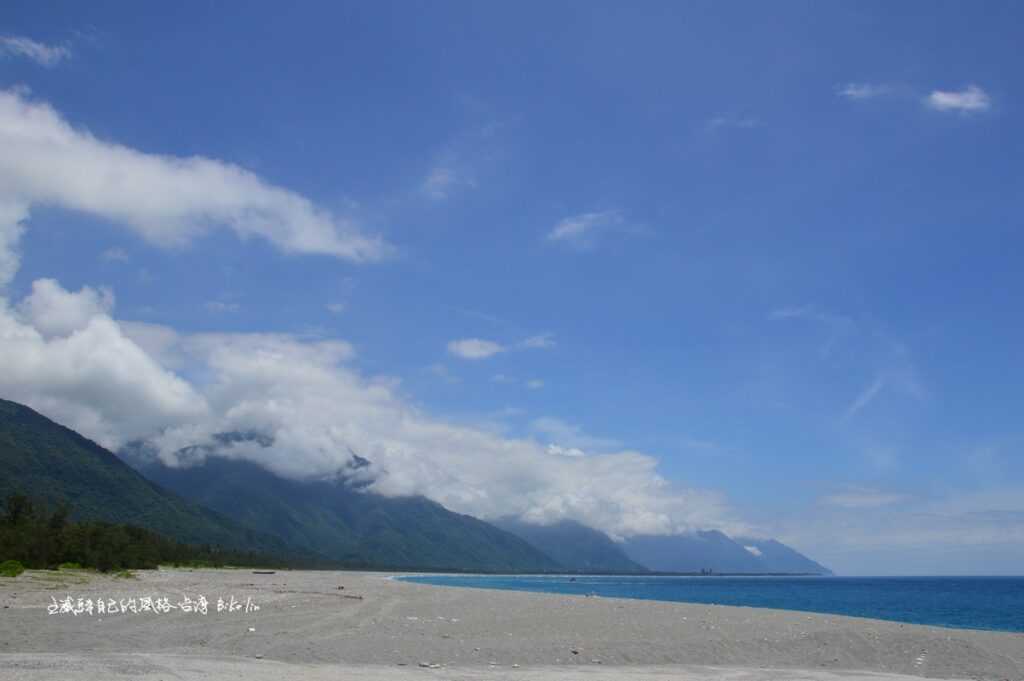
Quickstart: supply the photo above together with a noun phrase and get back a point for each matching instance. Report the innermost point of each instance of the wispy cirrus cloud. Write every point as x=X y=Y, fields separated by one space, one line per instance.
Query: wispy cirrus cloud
x=580 y=231
x=902 y=380
x=540 y=341
x=475 y=348
x=971 y=99
x=481 y=348
x=115 y=255
x=865 y=397
x=443 y=180
x=462 y=161
x=532 y=384
x=863 y=91
x=730 y=121
x=886 y=361
x=862 y=497
x=26 y=48
x=221 y=306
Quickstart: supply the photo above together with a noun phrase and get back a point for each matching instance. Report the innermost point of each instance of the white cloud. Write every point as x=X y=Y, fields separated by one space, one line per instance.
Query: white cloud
x=62 y=353
x=55 y=312
x=12 y=224
x=166 y=200
x=863 y=91
x=40 y=53
x=862 y=497
x=579 y=230
x=535 y=384
x=753 y=549
x=969 y=100
x=474 y=348
x=555 y=450
x=336 y=308
x=116 y=381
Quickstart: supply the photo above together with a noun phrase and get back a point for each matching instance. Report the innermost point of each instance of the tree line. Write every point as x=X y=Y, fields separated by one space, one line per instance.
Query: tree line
x=39 y=538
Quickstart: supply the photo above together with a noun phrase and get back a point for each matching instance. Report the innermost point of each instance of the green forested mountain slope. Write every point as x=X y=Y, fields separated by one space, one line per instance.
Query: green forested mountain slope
x=348 y=524
x=55 y=465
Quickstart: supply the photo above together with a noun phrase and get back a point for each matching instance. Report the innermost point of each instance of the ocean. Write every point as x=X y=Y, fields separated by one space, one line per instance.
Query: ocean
x=992 y=603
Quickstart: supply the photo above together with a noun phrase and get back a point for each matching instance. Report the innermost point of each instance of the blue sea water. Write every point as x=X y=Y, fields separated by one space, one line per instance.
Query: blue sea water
x=995 y=603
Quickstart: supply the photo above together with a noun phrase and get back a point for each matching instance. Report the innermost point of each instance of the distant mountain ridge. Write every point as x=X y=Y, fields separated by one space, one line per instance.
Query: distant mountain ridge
x=716 y=552
x=239 y=505
x=337 y=519
x=326 y=515
x=575 y=546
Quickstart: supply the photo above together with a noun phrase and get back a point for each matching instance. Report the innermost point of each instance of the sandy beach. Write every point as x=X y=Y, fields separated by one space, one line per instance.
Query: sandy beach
x=347 y=625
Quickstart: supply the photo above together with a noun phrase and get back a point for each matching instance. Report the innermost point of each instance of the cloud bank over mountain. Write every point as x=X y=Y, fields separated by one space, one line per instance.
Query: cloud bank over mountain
x=65 y=354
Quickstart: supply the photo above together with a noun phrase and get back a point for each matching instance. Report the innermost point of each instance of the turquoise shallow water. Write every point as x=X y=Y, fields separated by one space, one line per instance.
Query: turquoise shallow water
x=995 y=603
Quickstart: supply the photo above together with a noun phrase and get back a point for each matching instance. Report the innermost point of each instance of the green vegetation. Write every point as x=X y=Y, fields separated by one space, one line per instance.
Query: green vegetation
x=355 y=528
x=58 y=467
x=11 y=568
x=37 y=539
x=235 y=512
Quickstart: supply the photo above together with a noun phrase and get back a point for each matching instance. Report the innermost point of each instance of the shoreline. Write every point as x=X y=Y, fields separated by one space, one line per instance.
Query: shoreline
x=354 y=625
x=413 y=579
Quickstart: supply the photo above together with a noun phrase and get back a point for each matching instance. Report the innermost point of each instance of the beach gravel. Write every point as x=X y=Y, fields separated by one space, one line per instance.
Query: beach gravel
x=306 y=627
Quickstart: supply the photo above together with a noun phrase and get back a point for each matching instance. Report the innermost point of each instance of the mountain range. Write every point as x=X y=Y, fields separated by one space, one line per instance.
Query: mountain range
x=237 y=504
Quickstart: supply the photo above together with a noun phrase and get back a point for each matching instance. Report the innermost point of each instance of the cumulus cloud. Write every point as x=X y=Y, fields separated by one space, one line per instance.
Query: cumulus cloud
x=474 y=348
x=12 y=224
x=55 y=312
x=971 y=99
x=64 y=354
x=40 y=53
x=166 y=200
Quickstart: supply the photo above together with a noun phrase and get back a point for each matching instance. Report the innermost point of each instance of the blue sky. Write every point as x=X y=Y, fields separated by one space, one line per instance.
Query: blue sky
x=762 y=255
